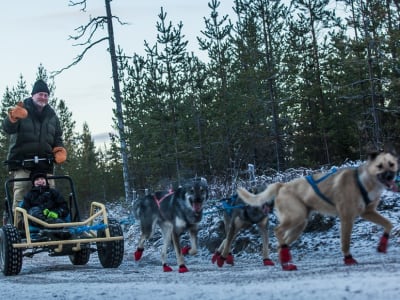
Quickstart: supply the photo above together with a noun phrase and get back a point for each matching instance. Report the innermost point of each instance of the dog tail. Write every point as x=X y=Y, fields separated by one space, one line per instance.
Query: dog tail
x=267 y=196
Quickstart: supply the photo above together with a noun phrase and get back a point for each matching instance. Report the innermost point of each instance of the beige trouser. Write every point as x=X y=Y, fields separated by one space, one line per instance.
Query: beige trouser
x=21 y=188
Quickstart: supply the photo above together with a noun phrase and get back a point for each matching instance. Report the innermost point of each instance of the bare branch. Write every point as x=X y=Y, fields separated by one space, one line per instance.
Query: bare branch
x=90 y=27
x=78 y=58
x=119 y=21
x=73 y=3
x=87 y=31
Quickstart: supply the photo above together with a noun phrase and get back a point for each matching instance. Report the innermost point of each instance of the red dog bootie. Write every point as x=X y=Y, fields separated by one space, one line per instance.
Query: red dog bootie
x=183 y=269
x=220 y=261
x=268 y=262
x=286 y=259
x=215 y=256
x=166 y=268
x=229 y=259
x=138 y=253
x=185 y=250
x=383 y=243
x=349 y=260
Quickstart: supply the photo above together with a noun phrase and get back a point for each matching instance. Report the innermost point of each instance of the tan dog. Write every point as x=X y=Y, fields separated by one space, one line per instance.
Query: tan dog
x=347 y=193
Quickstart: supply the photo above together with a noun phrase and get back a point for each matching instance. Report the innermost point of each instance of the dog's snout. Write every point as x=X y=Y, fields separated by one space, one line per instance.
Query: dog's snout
x=389 y=175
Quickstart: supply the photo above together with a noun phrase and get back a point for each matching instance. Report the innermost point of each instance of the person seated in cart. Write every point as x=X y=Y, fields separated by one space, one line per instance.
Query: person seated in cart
x=44 y=202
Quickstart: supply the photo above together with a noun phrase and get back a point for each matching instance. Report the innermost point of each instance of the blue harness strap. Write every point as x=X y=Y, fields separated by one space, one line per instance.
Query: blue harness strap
x=80 y=229
x=314 y=183
x=228 y=204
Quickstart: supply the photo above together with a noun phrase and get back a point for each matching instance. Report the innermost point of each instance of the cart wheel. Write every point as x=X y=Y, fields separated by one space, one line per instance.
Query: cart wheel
x=10 y=257
x=111 y=253
x=81 y=257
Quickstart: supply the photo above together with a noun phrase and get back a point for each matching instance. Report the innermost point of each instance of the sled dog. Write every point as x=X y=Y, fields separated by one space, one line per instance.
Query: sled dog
x=174 y=212
x=237 y=216
x=347 y=193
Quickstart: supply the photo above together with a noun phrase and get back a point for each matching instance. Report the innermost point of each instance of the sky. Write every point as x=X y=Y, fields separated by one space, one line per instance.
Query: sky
x=37 y=32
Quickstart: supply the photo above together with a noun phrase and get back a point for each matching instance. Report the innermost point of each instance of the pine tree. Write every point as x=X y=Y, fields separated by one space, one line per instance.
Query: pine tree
x=216 y=40
x=259 y=47
x=87 y=173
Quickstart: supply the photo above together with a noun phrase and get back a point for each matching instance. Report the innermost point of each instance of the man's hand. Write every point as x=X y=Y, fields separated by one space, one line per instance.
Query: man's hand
x=17 y=113
x=60 y=154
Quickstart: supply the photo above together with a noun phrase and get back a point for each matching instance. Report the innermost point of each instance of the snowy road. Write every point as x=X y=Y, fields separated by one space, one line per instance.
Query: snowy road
x=321 y=275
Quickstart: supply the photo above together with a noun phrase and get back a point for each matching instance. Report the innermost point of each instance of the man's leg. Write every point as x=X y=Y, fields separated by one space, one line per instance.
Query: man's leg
x=19 y=191
x=51 y=182
x=20 y=187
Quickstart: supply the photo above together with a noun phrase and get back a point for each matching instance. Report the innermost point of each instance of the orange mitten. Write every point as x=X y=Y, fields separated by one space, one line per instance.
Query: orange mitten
x=60 y=154
x=17 y=113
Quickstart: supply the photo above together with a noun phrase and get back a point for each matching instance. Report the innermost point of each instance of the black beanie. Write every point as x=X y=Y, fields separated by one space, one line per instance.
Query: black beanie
x=40 y=86
x=36 y=175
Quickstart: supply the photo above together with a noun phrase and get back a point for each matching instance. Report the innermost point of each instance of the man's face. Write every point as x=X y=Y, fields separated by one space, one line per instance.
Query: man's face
x=40 y=99
x=40 y=181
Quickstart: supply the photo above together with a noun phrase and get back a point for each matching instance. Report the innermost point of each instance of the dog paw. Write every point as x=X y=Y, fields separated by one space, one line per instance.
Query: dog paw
x=349 y=260
x=220 y=261
x=383 y=243
x=185 y=250
x=289 y=267
x=215 y=257
x=138 y=254
x=166 y=268
x=284 y=255
x=268 y=262
x=382 y=248
x=183 y=269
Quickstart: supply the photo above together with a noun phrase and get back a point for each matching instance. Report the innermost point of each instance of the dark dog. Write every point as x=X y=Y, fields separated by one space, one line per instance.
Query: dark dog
x=174 y=212
x=347 y=193
x=237 y=216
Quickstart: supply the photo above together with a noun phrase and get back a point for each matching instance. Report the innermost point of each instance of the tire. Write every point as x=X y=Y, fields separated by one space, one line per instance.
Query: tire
x=111 y=253
x=80 y=257
x=10 y=257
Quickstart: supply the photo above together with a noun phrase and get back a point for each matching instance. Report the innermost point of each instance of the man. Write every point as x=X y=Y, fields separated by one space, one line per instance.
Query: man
x=35 y=138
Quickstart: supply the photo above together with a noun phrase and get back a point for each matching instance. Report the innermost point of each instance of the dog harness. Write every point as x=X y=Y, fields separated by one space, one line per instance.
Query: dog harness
x=228 y=204
x=314 y=185
x=363 y=191
x=158 y=201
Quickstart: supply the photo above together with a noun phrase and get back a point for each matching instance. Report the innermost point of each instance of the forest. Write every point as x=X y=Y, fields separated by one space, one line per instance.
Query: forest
x=305 y=83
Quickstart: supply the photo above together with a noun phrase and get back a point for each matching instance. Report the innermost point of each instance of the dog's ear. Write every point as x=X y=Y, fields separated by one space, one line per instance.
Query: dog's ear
x=203 y=181
x=372 y=150
x=180 y=191
x=200 y=180
x=389 y=148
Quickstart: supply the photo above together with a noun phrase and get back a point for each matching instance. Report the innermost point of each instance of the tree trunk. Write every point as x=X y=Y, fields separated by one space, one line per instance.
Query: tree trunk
x=118 y=102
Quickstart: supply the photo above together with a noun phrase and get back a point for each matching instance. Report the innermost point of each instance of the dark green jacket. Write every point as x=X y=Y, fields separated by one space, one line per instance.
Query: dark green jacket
x=36 y=135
